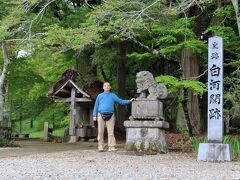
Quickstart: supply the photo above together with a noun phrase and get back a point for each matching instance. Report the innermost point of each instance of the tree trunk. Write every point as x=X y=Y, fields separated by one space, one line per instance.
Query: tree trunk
x=191 y=69
x=236 y=8
x=121 y=83
x=2 y=80
x=186 y=111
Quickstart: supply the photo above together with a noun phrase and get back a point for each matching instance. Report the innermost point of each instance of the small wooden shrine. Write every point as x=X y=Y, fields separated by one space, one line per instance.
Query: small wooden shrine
x=81 y=104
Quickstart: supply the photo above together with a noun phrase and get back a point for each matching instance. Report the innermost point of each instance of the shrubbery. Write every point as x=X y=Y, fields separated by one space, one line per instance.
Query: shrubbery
x=7 y=143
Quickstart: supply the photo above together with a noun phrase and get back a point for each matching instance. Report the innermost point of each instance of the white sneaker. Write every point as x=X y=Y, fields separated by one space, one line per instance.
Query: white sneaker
x=100 y=150
x=112 y=149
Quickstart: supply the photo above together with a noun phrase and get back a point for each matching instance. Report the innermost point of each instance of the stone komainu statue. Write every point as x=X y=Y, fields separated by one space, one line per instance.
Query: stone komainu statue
x=148 y=87
x=146 y=125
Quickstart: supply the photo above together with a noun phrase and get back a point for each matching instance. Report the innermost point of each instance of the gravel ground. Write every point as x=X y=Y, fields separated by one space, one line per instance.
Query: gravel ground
x=90 y=164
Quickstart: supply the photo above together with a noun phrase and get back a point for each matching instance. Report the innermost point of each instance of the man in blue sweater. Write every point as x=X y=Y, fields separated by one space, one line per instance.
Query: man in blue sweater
x=103 y=112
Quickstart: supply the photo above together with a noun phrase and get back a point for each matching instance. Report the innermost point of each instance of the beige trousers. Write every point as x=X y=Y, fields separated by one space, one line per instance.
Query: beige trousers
x=110 y=129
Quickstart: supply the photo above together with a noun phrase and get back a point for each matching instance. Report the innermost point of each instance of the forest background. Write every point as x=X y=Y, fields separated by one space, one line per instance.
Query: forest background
x=112 y=41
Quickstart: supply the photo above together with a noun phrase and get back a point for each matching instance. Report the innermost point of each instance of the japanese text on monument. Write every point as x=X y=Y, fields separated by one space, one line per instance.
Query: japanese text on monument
x=215 y=89
x=215 y=79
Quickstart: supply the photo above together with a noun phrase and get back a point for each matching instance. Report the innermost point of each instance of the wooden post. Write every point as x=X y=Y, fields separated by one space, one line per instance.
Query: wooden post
x=91 y=117
x=53 y=116
x=20 y=124
x=20 y=117
x=10 y=116
x=31 y=123
x=73 y=112
x=10 y=122
x=45 y=136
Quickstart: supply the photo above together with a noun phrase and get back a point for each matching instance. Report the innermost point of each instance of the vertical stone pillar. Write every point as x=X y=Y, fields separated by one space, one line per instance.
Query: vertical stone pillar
x=45 y=131
x=214 y=150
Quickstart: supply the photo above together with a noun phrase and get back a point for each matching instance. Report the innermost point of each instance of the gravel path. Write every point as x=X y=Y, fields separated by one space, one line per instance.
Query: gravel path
x=90 y=164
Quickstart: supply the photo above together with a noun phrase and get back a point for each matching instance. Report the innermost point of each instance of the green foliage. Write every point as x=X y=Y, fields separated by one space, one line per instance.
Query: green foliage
x=233 y=141
x=169 y=39
x=225 y=12
x=176 y=36
x=141 y=56
x=232 y=94
x=228 y=34
x=65 y=121
x=106 y=59
x=7 y=143
x=55 y=114
x=170 y=82
x=147 y=27
x=173 y=84
x=39 y=134
x=35 y=132
x=74 y=38
x=137 y=61
x=75 y=17
x=234 y=63
x=58 y=132
x=195 y=86
x=40 y=112
x=196 y=141
x=182 y=130
x=196 y=46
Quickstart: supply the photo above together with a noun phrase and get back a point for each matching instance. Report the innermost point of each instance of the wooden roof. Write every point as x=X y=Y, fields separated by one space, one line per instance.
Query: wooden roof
x=70 y=83
x=62 y=88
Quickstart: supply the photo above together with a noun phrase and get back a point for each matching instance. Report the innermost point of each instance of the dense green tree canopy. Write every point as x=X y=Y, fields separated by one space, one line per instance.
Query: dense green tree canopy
x=57 y=35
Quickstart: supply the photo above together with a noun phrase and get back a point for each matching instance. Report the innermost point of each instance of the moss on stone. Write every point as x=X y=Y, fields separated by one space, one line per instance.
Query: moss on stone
x=152 y=149
x=131 y=147
x=142 y=146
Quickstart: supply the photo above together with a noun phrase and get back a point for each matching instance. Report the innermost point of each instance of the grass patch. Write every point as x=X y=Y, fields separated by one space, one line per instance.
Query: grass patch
x=59 y=132
x=39 y=134
x=35 y=132
x=233 y=141
x=197 y=140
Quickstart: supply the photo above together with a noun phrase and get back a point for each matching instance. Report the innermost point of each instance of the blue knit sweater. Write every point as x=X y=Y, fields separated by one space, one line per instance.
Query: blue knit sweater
x=105 y=103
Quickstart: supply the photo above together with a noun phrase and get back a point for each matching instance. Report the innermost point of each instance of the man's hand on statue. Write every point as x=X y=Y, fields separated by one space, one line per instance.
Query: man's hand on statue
x=133 y=99
x=94 y=118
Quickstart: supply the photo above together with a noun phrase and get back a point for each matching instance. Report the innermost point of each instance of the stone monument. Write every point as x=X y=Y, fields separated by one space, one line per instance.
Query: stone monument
x=215 y=150
x=47 y=132
x=146 y=126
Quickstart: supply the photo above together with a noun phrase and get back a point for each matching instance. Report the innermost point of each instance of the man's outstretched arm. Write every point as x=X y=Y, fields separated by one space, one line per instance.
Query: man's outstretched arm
x=122 y=101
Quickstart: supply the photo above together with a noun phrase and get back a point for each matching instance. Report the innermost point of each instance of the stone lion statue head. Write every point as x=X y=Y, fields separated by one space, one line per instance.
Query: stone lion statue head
x=144 y=80
x=148 y=87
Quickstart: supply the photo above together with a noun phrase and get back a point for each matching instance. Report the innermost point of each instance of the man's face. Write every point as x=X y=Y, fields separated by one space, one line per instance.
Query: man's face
x=106 y=87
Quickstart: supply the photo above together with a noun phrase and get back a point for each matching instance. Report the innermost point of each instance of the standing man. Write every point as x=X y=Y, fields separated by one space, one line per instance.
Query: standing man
x=103 y=112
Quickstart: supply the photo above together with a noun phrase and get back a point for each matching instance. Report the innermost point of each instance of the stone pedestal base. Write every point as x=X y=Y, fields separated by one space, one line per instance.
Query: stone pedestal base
x=214 y=152
x=147 y=137
x=86 y=132
x=73 y=139
x=147 y=109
